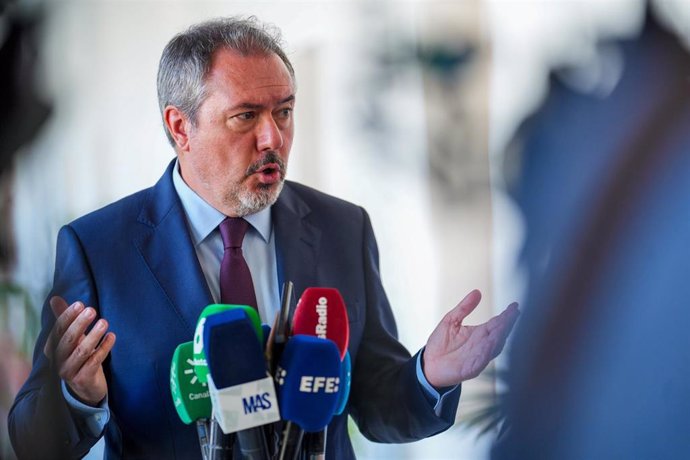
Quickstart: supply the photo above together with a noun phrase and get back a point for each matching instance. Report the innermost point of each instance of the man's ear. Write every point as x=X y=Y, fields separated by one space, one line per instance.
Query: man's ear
x=178 y=126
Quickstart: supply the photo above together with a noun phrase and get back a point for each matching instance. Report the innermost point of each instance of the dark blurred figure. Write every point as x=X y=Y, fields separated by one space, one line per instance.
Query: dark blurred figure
x=600 y=365
x=22 y=113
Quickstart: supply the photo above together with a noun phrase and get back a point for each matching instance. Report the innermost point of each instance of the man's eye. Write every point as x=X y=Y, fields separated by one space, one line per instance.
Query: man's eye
x=246 y=116
x=285 y=113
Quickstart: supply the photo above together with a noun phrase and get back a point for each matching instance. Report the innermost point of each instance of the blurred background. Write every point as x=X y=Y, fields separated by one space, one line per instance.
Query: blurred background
x=417 y=110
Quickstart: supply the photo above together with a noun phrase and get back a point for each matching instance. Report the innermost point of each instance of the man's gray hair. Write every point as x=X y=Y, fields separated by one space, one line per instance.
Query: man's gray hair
x=186 y=59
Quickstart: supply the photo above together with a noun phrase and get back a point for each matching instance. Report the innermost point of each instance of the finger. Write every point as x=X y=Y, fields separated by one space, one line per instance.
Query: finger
x=500 y=334
x=58 y=305
x=73 y=335
x=88 y=380
x=513 y=309
x=511 y=313
x=85 y=348
x=64 y=320
x=499 y=342
x=93 y=364
x=466 y=306
x=507 y=316
x=490 y=337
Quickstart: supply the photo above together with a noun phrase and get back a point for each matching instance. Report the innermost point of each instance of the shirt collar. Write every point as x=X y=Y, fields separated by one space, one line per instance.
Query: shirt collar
x=204 y=219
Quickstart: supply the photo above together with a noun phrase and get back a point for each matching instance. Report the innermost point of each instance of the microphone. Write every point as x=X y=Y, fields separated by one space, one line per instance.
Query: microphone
x=267 y=333
x=308 y=381
x=200 y=367
x=273 y=347
x=345 y=382
x=190 y=395
x=315 y=443
x=242 y=392
x=321 y=313
x=220 y=445
x=281 y=329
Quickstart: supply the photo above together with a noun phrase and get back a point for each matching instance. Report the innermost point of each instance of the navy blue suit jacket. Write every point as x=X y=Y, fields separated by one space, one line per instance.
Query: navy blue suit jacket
x=135 y=263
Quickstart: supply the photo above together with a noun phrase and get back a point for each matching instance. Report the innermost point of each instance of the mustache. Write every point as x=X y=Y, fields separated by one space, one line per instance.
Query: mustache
x=270 y=157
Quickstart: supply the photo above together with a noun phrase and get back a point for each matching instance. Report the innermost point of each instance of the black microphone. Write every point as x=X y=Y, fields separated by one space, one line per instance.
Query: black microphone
x=274 y=345
x=281 y=330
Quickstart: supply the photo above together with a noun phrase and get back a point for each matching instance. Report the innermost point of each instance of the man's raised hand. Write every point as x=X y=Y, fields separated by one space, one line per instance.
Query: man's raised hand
x=78 y=357
x=455 y=352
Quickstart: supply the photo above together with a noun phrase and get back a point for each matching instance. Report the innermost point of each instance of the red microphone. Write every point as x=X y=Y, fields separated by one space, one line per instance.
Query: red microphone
x=321 y=313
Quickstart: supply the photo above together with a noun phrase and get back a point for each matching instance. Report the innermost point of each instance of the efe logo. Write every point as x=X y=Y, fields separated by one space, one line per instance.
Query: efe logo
x=310 y=384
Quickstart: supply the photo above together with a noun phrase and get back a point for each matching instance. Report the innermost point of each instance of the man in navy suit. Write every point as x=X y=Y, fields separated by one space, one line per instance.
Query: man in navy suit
x=144 y=267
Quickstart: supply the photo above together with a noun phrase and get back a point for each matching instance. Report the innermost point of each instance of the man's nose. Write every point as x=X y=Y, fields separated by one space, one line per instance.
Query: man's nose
x=268 y=136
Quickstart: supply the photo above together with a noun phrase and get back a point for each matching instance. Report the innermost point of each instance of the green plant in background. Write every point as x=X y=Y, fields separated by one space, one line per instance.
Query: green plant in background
x=18 y=317
x=486 y=408
x=19 y=326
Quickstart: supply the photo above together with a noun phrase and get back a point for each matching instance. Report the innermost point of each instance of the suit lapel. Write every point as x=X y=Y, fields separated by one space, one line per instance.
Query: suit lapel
x=169 y=252
x=297 y=241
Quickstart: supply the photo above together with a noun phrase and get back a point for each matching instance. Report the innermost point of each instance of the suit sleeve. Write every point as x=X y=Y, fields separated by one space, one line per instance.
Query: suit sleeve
x=387 y=400
x=41 y=425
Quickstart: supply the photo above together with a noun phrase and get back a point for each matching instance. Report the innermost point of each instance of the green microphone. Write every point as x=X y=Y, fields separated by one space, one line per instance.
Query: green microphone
x=190 y=395
x=200 y=367
x=218 y=442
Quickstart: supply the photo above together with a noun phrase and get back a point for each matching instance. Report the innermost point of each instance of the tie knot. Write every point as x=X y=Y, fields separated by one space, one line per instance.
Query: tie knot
x=232 y=230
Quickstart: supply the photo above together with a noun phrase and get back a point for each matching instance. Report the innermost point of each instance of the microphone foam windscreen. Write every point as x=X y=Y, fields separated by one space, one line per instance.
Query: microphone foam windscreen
x=308 y=380
x=321 y=313
x=233 y=352
x=200 y=366
x=253 y=316
x=190 y=395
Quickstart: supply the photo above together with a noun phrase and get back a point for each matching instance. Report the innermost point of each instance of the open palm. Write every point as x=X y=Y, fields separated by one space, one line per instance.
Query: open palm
x=455 y=352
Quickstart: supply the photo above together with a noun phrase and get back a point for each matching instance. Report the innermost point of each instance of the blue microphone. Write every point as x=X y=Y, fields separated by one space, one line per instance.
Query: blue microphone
x=308 y=382
x=345 y=382
x=314 y=444
x=241 y=390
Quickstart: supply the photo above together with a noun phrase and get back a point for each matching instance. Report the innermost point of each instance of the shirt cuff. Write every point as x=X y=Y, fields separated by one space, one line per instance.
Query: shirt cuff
x=95 y=418
x=434 y=396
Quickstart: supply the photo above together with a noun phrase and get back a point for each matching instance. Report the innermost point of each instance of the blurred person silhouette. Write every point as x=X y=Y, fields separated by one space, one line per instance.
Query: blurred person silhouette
x=22 y=110
x=600 y=364
x=22 y=113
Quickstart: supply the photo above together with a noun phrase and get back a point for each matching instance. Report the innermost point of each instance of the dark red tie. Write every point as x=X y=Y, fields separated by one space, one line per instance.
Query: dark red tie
x=236 y=286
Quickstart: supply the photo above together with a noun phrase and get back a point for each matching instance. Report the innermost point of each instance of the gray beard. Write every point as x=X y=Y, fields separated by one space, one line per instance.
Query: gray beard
x=251 y=202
